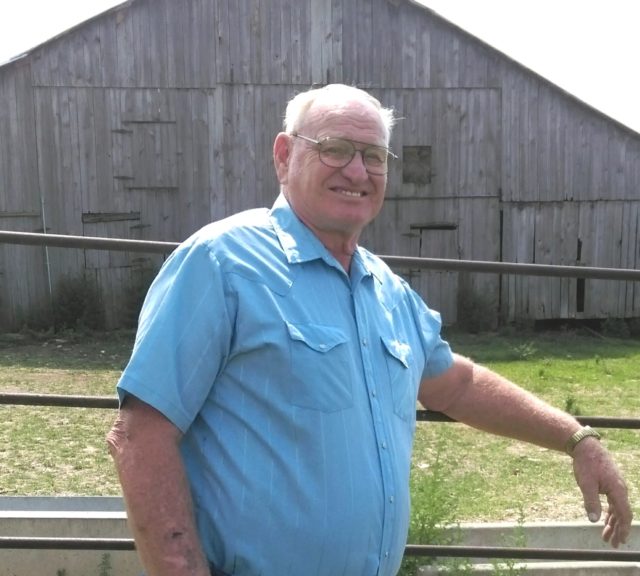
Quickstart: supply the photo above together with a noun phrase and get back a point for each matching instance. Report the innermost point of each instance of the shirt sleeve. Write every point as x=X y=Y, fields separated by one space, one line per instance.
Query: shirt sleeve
x=439 y=357
x=183 y=337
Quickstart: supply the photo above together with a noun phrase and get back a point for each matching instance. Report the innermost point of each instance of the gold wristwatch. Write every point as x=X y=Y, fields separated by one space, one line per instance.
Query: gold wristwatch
x=580 y=435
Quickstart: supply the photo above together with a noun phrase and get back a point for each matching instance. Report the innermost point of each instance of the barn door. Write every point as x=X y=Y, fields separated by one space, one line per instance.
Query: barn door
x=440 y=287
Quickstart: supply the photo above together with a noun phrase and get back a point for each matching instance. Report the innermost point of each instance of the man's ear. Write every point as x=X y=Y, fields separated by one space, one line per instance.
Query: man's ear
x=281 y=154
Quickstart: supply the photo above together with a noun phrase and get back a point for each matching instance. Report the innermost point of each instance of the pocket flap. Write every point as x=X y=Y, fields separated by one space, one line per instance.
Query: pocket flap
x=399 y=350
x=317 y=337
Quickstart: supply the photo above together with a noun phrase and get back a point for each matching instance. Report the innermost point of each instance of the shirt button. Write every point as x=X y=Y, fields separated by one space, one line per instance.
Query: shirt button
x=364 y=342
x=384 y=445
x=386 y=554
x=391 y=499
x=373 y=393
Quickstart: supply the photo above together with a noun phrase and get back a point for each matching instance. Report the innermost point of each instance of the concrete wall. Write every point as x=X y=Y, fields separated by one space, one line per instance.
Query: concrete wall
x=65 y=518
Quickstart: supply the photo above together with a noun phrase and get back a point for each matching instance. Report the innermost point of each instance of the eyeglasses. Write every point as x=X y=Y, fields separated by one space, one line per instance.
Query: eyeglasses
x=339 y=152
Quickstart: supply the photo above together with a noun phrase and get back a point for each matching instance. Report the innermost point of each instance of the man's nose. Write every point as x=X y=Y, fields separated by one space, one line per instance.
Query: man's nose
x=356 y=169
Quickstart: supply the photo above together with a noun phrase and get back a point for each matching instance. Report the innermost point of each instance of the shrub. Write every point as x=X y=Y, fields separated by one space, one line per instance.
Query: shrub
x=77 y=304
x=616 y=328
x=476 y=310
x=135 y=294
x=634 y=327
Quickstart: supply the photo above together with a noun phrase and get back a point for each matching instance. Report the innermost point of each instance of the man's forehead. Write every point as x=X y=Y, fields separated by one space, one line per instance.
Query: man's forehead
x=330 y=113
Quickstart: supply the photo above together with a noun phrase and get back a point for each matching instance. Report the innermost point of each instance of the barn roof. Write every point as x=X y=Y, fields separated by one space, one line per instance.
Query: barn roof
x=460 y=31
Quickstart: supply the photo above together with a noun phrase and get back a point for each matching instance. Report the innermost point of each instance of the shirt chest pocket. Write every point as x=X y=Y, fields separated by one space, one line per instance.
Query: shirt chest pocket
x=402 y=377
x=320 y=367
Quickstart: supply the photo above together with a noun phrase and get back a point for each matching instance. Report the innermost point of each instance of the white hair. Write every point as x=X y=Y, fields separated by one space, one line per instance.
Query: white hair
x=299 y=105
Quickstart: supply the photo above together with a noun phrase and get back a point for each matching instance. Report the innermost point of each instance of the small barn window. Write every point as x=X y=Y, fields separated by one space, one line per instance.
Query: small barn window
x=416 y=164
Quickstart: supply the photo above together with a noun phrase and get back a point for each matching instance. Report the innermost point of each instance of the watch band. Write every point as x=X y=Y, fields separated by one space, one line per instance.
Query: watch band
x=580 y=435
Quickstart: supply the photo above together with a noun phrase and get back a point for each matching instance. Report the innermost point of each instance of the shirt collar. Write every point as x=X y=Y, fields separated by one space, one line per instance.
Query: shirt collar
x=300 y=244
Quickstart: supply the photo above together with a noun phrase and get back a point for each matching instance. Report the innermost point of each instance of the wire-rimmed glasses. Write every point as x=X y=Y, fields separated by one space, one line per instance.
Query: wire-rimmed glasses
x=339 y=152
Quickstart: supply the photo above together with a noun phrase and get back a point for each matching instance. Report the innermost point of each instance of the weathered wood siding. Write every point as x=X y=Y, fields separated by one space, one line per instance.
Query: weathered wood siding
x=23 y=286
x=571 y=195
x=159 y=116
x=456 y=214
x=156 y=164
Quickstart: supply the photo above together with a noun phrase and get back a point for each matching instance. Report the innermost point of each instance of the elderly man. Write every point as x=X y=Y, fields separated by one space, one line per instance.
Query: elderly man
x=268 y=409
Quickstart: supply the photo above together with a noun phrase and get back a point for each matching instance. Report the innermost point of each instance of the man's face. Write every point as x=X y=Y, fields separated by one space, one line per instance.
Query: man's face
x=336 y=203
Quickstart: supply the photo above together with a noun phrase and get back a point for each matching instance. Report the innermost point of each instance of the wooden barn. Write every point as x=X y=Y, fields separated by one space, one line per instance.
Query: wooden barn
x=158 y=116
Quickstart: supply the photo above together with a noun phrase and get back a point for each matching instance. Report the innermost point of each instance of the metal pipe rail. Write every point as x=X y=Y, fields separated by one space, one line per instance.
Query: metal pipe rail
x=69 y=401
x=522 y=553
x=40 y=543
x=66 y=401
x=97 y=243
x=127 y=544
x=83 y=242
x=86 y=242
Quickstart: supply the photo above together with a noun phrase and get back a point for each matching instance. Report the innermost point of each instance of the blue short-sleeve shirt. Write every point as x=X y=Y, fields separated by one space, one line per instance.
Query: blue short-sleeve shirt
x=295 y=386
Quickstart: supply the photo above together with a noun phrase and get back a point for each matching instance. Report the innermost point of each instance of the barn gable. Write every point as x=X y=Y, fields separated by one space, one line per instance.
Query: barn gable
x=158 y=116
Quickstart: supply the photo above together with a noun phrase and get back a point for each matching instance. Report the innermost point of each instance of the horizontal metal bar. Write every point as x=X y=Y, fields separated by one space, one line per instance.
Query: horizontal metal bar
x=512 y=268
x=127 y=544
x=522 y=553
x=598 y=421
x=96 y=243
x=66 y=401
x=70 y=401
x=36 y=543
x=606 y=422
x=86 y=242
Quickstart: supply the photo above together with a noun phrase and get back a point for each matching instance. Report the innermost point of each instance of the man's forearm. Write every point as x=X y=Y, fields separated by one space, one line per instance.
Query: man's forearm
x=522 y=415
x=487 y=401
x=158 y=499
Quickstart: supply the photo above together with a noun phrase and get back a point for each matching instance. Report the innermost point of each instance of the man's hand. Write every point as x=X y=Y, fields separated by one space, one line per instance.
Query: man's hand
x=596 y=474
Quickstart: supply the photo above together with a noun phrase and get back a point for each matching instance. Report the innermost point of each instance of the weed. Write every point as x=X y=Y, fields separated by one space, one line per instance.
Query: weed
x=571 y=406
x=435 y=508
x=104 y=568
x=510 y=567
x=604 y=365
x=525 y=350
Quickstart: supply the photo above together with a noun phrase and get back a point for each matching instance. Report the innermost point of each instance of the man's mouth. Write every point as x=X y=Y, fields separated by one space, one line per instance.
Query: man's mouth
x=349 y=193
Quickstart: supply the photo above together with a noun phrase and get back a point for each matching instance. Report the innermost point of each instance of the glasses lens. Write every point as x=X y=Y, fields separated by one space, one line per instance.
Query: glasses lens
x=336 y=152
x=375 y=159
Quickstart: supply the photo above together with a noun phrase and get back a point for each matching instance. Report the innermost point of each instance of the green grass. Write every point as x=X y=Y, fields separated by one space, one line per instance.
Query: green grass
x=496 y=479
x=62 y=450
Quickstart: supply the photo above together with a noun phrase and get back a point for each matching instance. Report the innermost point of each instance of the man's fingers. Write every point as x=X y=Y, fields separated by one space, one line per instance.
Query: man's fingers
x=592 y=505
x=617 y=525
x=609 y=527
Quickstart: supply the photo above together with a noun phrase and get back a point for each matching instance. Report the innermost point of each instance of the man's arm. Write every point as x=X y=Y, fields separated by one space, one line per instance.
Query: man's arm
x=476 y=396
x=145 y=449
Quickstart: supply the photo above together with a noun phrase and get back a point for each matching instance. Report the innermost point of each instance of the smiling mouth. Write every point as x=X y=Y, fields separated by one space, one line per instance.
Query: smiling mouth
x=349 y=193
